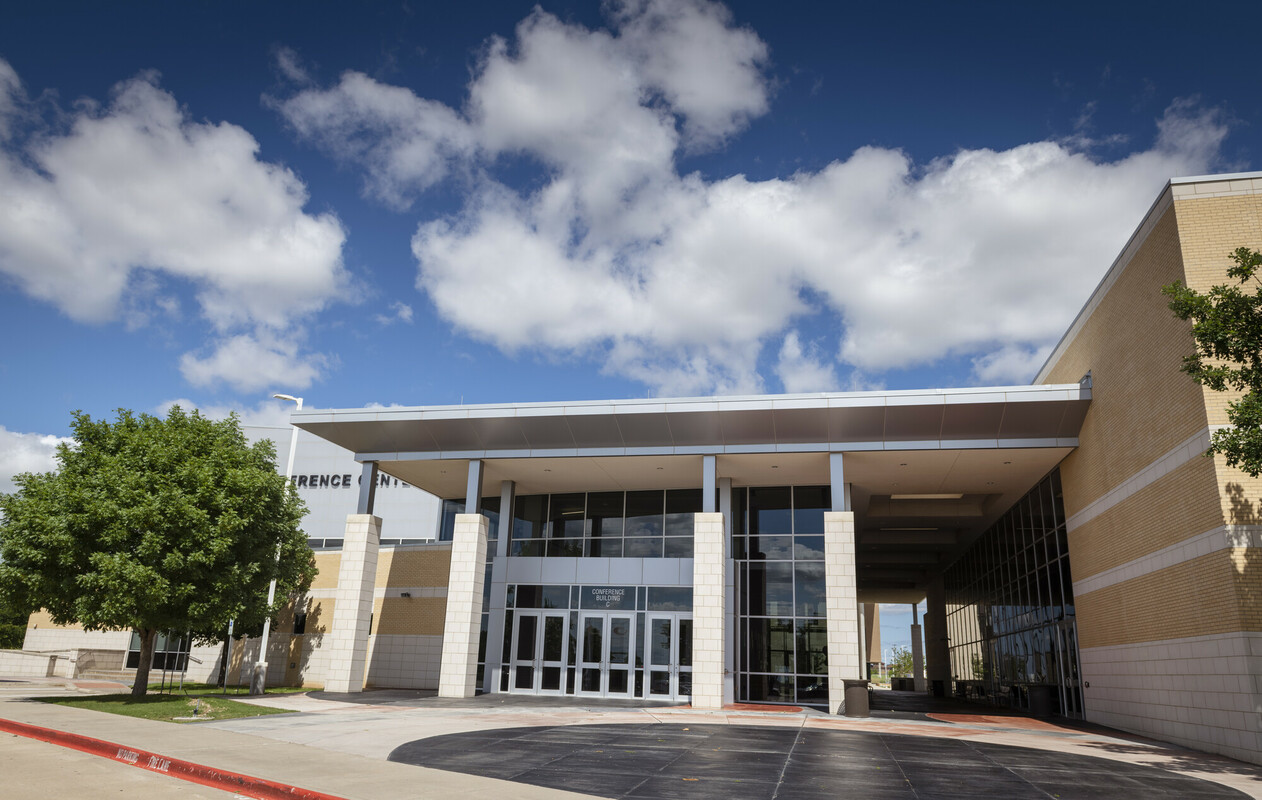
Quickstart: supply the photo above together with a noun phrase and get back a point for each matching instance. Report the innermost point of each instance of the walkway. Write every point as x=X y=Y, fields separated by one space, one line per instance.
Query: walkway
x=339 y=744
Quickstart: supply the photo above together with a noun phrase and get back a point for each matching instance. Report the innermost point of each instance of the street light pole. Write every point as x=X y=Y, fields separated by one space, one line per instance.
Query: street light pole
x=258 y=680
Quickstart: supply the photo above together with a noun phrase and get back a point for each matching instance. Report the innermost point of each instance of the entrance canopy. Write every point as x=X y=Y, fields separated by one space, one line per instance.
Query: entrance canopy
x=929 y=470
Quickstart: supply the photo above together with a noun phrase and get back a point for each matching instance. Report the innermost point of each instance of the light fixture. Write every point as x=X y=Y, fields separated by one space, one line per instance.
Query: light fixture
x=931 y=496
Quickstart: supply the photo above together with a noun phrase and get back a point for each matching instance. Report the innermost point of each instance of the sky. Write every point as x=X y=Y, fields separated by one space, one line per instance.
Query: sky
x=444 y=203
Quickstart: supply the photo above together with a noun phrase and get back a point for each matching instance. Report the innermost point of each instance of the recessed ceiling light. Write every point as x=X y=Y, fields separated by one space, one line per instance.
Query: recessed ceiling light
x=661 y=468
x=938 y=496
x=1007 y=462
x=545 y=469
x=903 y=464
x=775 y=466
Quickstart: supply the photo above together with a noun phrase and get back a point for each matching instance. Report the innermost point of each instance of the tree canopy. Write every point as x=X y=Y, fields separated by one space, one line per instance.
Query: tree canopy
x=1227 y=329
x=154 y=524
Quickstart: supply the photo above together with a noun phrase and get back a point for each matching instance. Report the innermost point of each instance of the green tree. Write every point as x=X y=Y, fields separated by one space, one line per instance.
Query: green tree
x=900 y=662
x=153 y=524
x=1227 y=329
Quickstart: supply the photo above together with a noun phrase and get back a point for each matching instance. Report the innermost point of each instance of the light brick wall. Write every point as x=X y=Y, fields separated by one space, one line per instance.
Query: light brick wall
x=1136 y=628
x=1141 y=404
x=1181 y=504
x=709 y=593
x=841 y=609
x=463 y=621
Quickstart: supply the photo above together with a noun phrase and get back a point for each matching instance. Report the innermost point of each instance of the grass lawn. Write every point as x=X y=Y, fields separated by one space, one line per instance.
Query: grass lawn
x=201 y=702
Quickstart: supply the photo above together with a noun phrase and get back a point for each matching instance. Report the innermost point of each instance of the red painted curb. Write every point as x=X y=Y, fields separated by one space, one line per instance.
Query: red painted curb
x=177 y=768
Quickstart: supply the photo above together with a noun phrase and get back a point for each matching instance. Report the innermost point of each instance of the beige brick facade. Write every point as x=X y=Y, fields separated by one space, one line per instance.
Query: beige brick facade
x=1162 y=540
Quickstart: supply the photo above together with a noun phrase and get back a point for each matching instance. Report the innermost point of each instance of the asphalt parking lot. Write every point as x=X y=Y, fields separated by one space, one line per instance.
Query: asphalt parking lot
x=723 y=762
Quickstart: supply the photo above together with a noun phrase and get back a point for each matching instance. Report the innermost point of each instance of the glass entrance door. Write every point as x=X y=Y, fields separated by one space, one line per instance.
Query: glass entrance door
x=539 y=653
x=670 y=657
x=605 y=646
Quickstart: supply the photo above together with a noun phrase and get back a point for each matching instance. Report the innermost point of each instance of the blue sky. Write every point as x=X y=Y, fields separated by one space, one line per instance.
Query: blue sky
x=441 y=203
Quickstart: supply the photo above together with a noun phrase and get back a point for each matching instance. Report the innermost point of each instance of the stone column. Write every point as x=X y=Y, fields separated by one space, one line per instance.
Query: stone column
x=841 y=606
x=499 y=591
x=352 y=606
x=709 y=614
x=937 y=648
x=917 y=653
x=459 y=670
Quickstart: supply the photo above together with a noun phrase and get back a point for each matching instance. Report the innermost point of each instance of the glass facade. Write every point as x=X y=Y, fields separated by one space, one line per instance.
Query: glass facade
x=778 y=544
x=1010 y=610
x=170 y=651
x=647 y=524
x=559 y=655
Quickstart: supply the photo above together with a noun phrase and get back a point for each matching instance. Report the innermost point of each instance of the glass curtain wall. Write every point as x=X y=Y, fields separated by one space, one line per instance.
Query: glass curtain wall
x=778 y=545
x=641 y=524
x=1010 y=610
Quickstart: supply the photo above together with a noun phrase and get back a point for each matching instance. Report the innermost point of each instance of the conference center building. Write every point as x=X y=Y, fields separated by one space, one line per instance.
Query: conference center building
x=1076 y=552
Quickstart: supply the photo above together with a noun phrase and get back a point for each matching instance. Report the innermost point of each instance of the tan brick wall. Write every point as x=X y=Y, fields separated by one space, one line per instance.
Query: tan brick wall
x=426 y=567
x=1179 y=505
x=327 y=563
x=1246 y=565
x=42 y=619
x=1141 y=404
x=1193 y=598
x=409 y=616
x=1142 y=407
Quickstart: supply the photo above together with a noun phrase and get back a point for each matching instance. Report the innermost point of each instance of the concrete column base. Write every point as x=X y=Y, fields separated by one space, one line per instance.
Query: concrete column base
x=352 y=606
x=458 y=672
x=709 y=623
x=841 y=606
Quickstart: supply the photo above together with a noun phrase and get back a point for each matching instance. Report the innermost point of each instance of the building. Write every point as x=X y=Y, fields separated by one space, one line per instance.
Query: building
x=1077 y=554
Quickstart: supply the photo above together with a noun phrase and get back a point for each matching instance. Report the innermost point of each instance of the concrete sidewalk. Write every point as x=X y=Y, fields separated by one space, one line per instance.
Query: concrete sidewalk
x=345 y=775
x=338 y=744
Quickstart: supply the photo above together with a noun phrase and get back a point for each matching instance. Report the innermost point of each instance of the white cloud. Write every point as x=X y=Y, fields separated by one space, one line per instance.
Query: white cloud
x=266 y=414
x=98 y=215
x=251 y=363
x=25 y=452
x=1010 y=364
x=803 y=370
x=680 y=282
x=708 y=71
x=399 y=312
x=404 y=143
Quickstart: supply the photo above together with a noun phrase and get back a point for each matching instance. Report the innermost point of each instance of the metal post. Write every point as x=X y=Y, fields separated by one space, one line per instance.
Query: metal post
x=258 y=681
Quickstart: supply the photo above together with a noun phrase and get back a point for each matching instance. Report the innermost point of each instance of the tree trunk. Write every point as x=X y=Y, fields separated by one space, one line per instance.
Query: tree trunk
x=147 y=637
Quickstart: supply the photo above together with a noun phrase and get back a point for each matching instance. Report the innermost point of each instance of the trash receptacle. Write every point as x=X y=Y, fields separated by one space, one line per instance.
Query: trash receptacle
x=1041 y=701
x=857 y=698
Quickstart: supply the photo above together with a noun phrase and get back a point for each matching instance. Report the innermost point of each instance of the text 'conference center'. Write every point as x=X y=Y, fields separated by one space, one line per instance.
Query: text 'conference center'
x=1076 y=551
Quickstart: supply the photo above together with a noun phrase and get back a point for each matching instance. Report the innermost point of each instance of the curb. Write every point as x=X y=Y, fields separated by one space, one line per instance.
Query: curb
x=259 y=788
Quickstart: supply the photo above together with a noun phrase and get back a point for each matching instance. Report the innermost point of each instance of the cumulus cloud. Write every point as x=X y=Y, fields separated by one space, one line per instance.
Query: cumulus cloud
x=102 y=215
x=399 y=312
x=250 y=363
x=25 y=452
x=803 y=369
x=265 y=414
x=679 y=281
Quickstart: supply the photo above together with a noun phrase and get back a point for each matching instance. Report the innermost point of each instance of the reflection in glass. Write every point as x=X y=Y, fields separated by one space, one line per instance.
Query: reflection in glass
x=659 y=642
x=620 y=640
